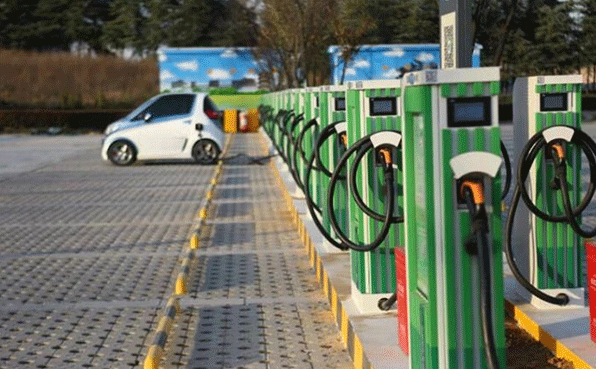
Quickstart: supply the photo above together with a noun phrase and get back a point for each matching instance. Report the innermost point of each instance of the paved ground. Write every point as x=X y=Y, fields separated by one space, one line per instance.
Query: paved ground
x=254 y=300
x=89 y=253
x=24 y=153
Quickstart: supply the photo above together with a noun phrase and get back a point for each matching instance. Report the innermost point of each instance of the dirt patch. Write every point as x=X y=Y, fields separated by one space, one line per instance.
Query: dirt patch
x=524 y=352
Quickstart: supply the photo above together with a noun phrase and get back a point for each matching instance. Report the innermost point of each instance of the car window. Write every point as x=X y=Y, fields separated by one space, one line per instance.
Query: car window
x=208 y=104
x=169 y=105
x=211 y=111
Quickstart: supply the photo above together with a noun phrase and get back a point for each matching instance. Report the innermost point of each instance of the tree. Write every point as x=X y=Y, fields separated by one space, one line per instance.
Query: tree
x=134 y=23
x=188 y=23
x=556 y=47
x=95 y=14
x=59 y=23
x=495 y=23
x=425 y=25
x=294 y=36
x=119 y=31
x=588 y=37
x=393 y=21
x=239 y=25
x=16 y=17
x=350 y=29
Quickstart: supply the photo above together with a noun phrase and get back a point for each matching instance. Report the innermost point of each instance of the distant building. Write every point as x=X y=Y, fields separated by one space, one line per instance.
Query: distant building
x=179 y=84
x=245 y=84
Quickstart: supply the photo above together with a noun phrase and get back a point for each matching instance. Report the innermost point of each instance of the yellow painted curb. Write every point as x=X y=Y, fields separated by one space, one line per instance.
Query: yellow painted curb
x=165 y=324
x=153 y=357
x=156 y=350
x=194 y=242
x=181 y=284
x=203 y=213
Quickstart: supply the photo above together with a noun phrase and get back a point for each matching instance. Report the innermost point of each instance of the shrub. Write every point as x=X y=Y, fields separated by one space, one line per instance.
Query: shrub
x=62 y=80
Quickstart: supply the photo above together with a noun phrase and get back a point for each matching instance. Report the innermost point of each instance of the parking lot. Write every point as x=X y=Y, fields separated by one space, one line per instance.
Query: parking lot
x=88 y=250
x=89 y=254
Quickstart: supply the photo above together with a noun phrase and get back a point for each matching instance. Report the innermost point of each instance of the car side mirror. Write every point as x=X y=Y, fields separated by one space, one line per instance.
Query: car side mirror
x=199 y=127
x=147 y=117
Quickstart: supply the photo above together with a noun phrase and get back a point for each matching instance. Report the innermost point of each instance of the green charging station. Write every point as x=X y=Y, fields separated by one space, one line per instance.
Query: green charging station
x=451 y=135
x=281 y=107
x=296 y=105
x=373 y=106
x=548 y=254
x=332 y=101
x=311 y=109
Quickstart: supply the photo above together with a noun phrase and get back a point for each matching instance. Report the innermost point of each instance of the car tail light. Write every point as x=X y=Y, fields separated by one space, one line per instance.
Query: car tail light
x=212 y=114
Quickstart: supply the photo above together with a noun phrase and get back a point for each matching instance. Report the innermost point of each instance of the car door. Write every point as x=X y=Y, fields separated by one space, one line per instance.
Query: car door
x=164 y=132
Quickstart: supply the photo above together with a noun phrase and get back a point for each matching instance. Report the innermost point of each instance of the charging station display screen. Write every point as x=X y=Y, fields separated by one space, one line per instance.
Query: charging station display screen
x=340 y=103
x=383 y=106
x=468 y=111
x=553 y=102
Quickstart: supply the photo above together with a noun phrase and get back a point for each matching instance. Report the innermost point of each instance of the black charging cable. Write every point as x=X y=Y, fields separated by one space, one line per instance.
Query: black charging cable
x=507 y=162
x=356 y=192
x=389 y=195
x=314 y=208
x=529 y=154
x=277 y=127
x=292 y=138
x=298 y=149
x=478 y=245
x=282 y=125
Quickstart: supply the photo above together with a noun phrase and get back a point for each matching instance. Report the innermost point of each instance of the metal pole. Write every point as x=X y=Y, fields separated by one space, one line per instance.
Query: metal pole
x=456 y=33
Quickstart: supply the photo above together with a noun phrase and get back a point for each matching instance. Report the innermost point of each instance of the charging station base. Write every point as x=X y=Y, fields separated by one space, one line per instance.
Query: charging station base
x=576 y=299
x=366 y=303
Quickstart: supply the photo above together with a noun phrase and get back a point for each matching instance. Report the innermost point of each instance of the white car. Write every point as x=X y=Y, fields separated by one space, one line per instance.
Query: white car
x=167 y=126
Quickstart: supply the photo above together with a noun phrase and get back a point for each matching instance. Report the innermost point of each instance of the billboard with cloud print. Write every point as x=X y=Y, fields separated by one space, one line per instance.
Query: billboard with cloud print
x=387 y=61
x=201 y=67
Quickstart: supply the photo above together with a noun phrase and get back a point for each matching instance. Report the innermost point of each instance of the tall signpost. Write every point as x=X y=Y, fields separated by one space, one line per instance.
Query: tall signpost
x=457 y=33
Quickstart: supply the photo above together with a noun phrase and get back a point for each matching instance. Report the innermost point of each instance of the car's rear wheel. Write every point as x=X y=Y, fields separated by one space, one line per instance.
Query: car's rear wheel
x=122 y=152
x=205 y=152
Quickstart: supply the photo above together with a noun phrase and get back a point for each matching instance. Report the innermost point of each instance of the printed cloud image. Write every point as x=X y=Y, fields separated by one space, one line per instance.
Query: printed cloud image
x=202 y=67
x=386 y=61
x=188 y=65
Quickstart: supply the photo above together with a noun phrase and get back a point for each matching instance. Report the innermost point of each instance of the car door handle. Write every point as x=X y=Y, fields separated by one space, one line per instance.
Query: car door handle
x=187 y=121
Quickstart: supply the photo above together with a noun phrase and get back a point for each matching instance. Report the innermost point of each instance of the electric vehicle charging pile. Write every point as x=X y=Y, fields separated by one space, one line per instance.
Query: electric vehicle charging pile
x=548 y=254
x=295 y=105
x=452 y=190
x=305 y=135
x=372 y=106
x=331 y=101
x=280 y=113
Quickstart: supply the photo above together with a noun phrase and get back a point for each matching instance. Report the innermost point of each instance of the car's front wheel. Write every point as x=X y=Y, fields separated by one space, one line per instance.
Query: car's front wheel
x=205 y=152
x=122 y=152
